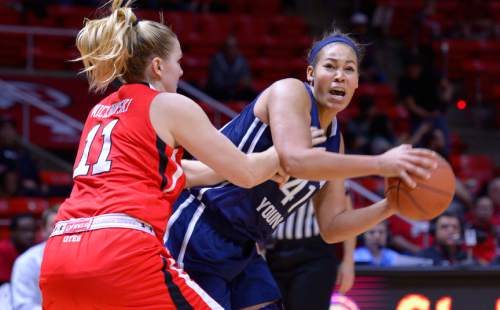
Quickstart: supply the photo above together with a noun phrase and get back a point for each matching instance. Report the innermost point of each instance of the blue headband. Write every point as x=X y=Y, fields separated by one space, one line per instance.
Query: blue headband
x=339 y=38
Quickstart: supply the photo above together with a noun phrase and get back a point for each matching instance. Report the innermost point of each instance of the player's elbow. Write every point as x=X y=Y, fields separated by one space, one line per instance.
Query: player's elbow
x=248 y=183
x=331 y=235
x=246 y=179
x=331 y=238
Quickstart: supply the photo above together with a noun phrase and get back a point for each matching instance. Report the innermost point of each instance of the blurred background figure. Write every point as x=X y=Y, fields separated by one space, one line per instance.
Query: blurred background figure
x=18 y=171
x=374 y=251
x=22 y=236
x=494 y=194
x=421 y=93
x=481 y=222
x=229 y=76
x=446 y=249
x=26 y=272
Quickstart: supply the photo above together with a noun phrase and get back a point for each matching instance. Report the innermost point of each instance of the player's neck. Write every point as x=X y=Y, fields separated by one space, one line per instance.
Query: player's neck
x=325 y=118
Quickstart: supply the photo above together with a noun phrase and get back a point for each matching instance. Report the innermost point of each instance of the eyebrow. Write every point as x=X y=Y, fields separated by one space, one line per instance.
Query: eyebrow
x=334 y=59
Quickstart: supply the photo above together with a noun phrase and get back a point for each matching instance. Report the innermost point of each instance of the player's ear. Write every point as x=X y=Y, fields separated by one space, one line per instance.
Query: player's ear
x=310 y=75
x=156 y=67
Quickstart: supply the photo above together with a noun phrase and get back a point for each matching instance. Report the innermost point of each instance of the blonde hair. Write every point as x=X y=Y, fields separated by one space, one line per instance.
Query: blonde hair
x=119 y=46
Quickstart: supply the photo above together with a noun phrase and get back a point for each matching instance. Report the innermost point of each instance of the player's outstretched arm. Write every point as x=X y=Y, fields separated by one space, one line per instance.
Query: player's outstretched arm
x=288 y=110
x=198 y=174
x=179 y=120
x=337 y=222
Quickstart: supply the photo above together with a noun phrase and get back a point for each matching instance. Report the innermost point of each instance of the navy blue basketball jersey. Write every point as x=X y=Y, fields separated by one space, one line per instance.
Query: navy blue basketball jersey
x=256 y=212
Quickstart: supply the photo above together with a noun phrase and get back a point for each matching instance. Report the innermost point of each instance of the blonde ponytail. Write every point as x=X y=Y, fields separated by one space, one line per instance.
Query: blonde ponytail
x=119 y=47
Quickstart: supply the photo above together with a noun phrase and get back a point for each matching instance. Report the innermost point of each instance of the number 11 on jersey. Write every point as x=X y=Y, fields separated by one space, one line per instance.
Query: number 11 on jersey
x=103 y=164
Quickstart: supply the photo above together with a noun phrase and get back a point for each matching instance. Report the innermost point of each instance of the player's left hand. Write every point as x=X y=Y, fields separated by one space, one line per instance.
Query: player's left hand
x=317 y=135
x=345 y=276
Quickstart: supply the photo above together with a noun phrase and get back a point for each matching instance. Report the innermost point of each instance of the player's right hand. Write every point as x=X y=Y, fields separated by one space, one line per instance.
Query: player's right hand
x=407 y=162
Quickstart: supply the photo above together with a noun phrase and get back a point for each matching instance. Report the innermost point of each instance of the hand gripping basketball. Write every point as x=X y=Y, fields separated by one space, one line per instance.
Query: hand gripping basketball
x=428 y=199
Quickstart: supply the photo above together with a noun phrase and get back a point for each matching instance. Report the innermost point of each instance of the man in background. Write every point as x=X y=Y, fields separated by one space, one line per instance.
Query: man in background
x=26 y=272
x=22 y=236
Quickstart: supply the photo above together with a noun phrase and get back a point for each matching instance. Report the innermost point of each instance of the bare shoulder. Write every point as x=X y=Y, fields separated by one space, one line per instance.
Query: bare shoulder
x=288 y=84
x=174 y=102
x=169 y=99
x=288 y=92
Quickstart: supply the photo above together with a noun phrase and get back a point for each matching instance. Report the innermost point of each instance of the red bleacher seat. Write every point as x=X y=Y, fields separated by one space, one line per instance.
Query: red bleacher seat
x=13 y=51
x=264 y=7
x=253 y=26
x=56 y=178
x=70 y=16
x=372 y=184
x=288 y=26
x=383 y=95
x=215 y=28
x=195 y=69
x=16 y=205
x=495 y=10
x=478 y=167
x=151 y=15
x=9 y=15
x=182 y=23
x=481 y=76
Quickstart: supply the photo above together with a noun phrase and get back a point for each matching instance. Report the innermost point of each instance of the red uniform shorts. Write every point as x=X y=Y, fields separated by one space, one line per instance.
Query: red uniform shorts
x=115 y=268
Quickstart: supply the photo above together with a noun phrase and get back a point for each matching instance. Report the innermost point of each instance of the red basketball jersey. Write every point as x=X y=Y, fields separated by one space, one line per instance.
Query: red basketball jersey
x=122 y=166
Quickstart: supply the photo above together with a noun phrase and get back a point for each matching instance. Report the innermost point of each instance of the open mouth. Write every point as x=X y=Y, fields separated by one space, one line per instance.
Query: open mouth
x=337 y=92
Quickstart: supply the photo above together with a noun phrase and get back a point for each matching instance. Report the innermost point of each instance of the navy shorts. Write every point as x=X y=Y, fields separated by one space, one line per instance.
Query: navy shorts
x=230 y=271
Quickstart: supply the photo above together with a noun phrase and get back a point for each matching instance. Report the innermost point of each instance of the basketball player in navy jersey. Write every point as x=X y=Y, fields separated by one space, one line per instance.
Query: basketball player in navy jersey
x=213 y=230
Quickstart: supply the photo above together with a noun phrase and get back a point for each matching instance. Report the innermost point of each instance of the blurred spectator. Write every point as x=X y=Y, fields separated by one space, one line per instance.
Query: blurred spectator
x=447 y=247
x=375 y=251
x=481 y=222
x=18 y=172
x=8 y=159
x=494 y=194
x=357 y=129
x=408 y=237
x=426 y=26
x=475 y=20
x=22 y=236
x=369 y=70
x=26 y=272
x=27 y=7
x=229 y=76
x=425 y=97
x=382 y=17
x=381 y=135
x=369 y=132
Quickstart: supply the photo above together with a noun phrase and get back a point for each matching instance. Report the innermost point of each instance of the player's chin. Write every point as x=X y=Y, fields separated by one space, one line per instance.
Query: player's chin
x=337 y=105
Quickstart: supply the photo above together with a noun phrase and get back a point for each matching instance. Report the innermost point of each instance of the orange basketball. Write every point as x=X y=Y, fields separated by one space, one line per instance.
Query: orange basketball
x=429 y=199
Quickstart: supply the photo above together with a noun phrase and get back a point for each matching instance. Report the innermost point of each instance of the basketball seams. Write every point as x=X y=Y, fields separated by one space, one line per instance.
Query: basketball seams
x=407 y=194
x=435 y=190
x=415 y=202
x=430 y=197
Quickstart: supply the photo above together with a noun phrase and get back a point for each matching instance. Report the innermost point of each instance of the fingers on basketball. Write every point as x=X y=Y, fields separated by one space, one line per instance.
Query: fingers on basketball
x=429 y=198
